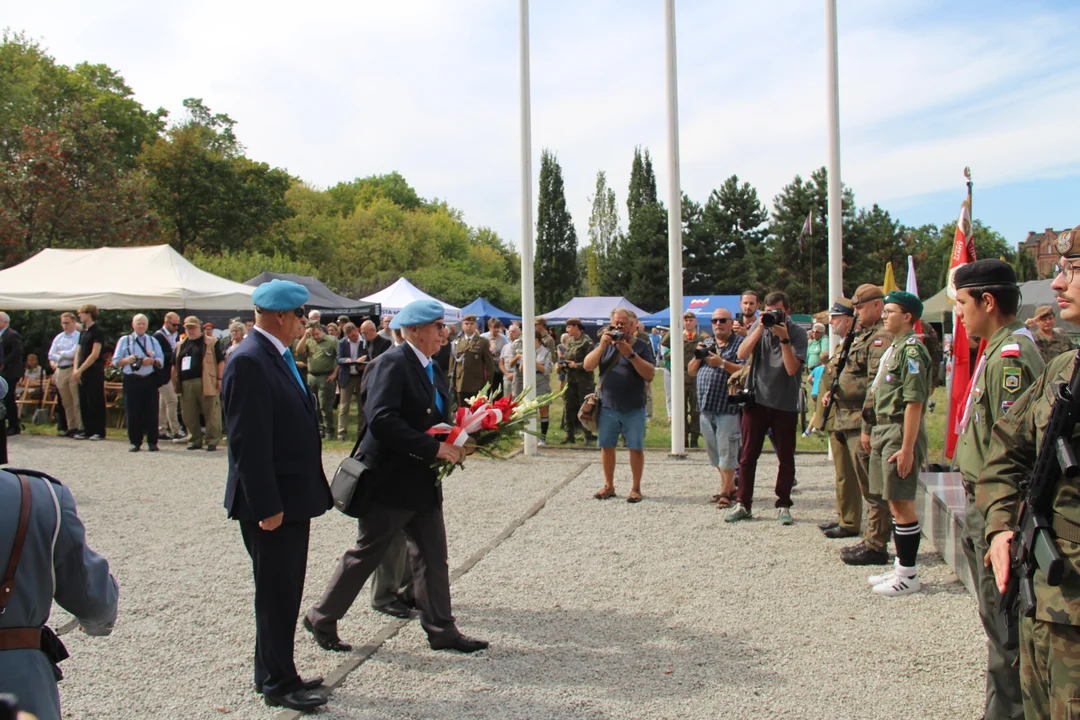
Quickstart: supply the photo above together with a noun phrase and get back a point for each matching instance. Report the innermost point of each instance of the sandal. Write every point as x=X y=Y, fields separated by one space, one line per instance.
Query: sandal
x=604 y=494
x=716 y=498
x=633 y=497
x=724 y=502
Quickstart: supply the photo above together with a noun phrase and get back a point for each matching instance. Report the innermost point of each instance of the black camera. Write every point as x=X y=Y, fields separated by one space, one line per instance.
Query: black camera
x=743 y=398
x=617 y=335
x=702 y=353
x=773 y=317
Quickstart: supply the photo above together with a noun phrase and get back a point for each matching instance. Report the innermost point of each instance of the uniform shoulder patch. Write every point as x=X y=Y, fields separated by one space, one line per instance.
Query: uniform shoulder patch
x=879 y=342
x=1011 y=378
x=911 y=340
x=1010 y=350
x=912 y=352
x=1005 y=405
x=913 y=366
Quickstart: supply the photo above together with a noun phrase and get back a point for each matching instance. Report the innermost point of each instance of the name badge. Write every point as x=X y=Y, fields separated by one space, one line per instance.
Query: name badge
x=185 y=363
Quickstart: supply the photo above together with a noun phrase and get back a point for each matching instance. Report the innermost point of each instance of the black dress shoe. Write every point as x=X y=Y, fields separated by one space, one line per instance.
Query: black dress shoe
x=135 y=448
x=461 y=643
x=153 y=448
x=302 y=700
x=312 y=684
x=409 y=602
x=211 y=448
x=395 y=608
x=863 y=554
x=828 y=526
x=840 y=532
x=13 y=431
x=326 y=640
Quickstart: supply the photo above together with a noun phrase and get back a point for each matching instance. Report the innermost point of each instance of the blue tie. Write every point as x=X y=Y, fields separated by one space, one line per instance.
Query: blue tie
x=292 y=366
x=431 y=376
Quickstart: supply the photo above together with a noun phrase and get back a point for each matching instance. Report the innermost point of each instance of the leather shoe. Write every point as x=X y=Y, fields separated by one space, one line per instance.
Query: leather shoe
x=840 y=532
x=313 y=683
x=863 y=554
x=326 y=641
x=302 y=700
x=828 y=526
x=461 y=643
x=395 y=608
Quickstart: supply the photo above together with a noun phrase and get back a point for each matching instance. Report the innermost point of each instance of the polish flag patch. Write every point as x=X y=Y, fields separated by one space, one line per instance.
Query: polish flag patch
x=877 y=343
x=1010 y=350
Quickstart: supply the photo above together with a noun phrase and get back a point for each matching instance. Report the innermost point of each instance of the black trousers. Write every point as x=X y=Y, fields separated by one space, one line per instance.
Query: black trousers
x=141 y=408
x=92 y=400
x=279 y=562
x=9 y=405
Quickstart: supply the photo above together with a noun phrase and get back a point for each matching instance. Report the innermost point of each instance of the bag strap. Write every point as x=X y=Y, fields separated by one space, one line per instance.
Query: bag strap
x=8 y=586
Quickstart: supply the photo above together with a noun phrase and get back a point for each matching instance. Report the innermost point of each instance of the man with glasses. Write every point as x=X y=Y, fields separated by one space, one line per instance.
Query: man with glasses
x=1049 y=673
x=168 y=422
x=62 y=360
x=1051 y=342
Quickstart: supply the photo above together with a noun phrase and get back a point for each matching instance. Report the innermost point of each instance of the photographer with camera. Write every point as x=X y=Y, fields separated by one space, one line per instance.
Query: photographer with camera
x=711 y=365
x=776 y=349
x=626 y=363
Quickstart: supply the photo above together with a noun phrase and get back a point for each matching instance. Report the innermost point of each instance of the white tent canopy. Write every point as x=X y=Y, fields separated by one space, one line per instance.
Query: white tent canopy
x=403 y=292
x=133 y=278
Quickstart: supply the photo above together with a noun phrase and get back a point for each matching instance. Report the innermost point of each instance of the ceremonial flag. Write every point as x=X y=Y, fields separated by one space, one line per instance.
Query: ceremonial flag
x=913 y=288
x=963 y=253
x=807 y=229
x=890 y=280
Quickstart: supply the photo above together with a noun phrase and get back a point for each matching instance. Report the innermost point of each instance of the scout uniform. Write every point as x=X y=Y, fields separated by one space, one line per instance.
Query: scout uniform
x=1009 y=365
x=471 y=365
x=1052 y=346
x=579 y=381
x=1049 y=642
x=690 y=342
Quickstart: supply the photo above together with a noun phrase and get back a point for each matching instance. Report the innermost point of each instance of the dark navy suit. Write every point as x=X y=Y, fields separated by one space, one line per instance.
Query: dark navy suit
x=275 y=465
x=400 y=406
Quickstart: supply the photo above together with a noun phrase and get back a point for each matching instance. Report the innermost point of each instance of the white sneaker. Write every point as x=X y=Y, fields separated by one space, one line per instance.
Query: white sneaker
x=97 y=437
x=901 y=584
x=884 y=577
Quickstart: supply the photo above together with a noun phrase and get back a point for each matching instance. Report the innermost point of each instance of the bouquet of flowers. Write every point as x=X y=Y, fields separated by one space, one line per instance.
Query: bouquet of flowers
x=489 y=425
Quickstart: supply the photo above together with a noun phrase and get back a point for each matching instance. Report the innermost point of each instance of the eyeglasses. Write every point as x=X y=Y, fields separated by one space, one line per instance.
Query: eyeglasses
x=722 y=321
x=440 y=326
x=298 y=312
x=1066 y=269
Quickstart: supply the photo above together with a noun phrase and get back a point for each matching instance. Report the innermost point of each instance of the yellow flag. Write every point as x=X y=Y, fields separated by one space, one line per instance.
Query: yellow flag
x=890 y=280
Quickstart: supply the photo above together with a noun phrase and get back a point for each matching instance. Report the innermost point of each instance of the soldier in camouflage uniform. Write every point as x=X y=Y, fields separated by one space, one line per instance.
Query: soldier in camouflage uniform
x=898 y=444
x=691 y=338
x=1051 y=343
x=471 y=363
x=579 y=381
x=987 y=299
x=861 y=370
x=1049 y=642
x=932 y=341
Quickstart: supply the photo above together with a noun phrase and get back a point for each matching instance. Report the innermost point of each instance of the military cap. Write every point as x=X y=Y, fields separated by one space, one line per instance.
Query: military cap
x=906 y=300
x=342 y=319
x=280 y=295
x=467 y=318
x=1068 y=243
x=1043 y=311
x=541 y=321
x=984 y=273
x=867 y=292
x=842 y=306
x=192 y=320
x=418 y=312
x=573 y=321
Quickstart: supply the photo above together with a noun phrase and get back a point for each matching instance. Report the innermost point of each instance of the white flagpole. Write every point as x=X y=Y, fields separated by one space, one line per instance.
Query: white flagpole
x=836 y=218
x=675 y=292
x=528 y=309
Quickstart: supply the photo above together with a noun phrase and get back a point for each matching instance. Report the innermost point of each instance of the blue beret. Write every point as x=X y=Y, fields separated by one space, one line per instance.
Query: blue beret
x=418 y=312
x=906 y=300
x=280 y=295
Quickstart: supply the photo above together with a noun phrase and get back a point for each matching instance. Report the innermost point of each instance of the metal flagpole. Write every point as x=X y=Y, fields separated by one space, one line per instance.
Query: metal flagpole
x=675 y=293
x=836 y=208
x=528 y=309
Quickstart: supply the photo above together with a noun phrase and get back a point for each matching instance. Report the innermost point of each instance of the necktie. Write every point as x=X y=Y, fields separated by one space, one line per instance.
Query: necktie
x=292 y=366
x=431 y=376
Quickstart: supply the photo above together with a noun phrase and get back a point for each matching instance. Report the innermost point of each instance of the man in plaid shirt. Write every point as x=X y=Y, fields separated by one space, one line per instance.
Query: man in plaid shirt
x=720 y=421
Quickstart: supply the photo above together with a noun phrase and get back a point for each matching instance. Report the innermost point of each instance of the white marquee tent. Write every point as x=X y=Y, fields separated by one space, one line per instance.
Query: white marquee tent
x=403 y=292
x=133 y=278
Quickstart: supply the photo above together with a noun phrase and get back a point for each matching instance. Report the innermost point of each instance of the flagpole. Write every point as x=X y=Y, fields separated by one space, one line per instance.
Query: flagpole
x=675 y=290
x=528 y=299
x=836 y=201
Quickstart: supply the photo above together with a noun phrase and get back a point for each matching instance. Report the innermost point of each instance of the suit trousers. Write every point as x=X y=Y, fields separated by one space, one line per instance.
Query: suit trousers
x=393 y=577
x=168 y=422
x=426 y=534
x=69 y=398
x=349 y=391
x=844 y=445
x=141 y=408
x=1004 y=699
x=279 y=562
x=92 y=400
x=192 y=403
x=756 y=422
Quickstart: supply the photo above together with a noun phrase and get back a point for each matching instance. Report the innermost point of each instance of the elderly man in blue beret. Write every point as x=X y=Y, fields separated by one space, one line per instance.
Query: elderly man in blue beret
x=404 y=396
x=276 y=483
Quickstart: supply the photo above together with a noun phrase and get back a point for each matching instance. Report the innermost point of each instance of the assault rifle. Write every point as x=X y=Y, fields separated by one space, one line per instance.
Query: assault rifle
x=845 y=351
x=1032 y=545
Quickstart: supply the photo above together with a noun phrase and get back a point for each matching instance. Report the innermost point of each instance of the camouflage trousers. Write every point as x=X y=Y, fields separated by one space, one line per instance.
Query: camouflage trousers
x=1050 y=669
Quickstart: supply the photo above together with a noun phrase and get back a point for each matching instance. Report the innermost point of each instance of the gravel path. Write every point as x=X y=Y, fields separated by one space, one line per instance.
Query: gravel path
x=594 y=610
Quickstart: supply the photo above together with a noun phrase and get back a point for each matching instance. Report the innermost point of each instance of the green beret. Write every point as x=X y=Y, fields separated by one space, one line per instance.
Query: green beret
x=906 y=300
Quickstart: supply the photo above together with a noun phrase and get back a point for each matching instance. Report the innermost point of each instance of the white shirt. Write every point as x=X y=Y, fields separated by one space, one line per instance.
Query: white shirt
x=277 y=343
x=62 y=351
x=424 y=359
x=170 y=336
x=354 y=352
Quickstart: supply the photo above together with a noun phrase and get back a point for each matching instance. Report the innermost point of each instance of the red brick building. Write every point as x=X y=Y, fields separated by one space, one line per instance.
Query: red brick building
x=1041 y=245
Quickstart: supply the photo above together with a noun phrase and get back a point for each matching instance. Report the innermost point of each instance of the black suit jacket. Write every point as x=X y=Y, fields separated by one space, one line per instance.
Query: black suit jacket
x=275 y=451
x=13 y=357
x=166 y=351
x=400 y=407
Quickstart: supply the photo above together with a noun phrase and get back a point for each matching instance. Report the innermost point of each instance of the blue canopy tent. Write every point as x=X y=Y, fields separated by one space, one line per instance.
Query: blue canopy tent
x=483 y=310
x=590 y=310
x=701 y=305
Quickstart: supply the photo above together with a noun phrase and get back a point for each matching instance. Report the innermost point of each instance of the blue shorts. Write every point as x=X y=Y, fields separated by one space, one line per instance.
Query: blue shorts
x=628 y=423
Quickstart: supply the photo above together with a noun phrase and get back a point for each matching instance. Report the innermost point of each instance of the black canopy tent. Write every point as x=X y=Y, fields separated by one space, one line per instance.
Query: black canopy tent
x=323 y=299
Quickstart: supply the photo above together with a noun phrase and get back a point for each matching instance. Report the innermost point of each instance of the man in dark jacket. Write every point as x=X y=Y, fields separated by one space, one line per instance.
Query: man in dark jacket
x=12 y=369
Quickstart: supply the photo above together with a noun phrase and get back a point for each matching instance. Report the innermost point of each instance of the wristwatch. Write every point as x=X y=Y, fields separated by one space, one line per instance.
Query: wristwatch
x=785 y=341
x=631 y=356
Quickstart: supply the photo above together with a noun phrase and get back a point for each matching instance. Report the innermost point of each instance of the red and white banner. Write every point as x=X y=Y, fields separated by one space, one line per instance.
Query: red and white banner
x=963 y=253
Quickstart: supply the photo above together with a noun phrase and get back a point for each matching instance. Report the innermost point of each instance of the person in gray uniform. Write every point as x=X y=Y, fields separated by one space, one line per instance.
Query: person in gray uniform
x=44 y=556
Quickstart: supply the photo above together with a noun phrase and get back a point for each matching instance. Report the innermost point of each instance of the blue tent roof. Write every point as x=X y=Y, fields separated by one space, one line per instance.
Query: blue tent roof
x=702 y=305
x=483 y=310
x=590 y=310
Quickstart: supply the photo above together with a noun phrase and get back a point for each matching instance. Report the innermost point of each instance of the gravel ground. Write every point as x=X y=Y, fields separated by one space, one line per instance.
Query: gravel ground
x=594 y=610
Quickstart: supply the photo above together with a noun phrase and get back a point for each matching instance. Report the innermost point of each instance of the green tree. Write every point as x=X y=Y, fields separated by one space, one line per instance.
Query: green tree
x=645 y=250
x=556 y=240
x=361 y=192
x=723 y=249
x=606 y=272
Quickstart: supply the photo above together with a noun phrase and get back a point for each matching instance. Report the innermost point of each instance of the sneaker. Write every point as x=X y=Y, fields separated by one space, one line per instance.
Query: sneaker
x=784 y=516
x=883 y=577
x=178 y=438
x=737 y=512
x=863 y=554
x=97 y=437
x=900 y=584
x=153 y=448
x=80 y=436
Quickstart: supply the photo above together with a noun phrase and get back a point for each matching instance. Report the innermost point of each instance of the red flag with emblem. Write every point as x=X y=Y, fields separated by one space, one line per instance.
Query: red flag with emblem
x=963 y=253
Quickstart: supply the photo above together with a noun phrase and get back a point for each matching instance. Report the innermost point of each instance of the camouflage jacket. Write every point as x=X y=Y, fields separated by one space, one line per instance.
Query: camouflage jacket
x=867 y=347
x=1014 y=446
x=1051 y=347
x=576 y=350
x=690 y=343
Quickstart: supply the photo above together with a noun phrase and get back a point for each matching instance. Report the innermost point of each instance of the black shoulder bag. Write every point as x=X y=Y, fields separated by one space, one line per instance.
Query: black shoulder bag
x=353 y=483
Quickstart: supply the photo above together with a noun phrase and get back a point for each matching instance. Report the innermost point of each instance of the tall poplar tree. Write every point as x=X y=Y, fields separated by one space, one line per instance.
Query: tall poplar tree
x=556 y=239
x=645 y=251
x=607 y=273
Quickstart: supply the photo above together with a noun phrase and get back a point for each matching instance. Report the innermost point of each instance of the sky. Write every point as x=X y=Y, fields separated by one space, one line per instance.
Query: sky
x=331 y=90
